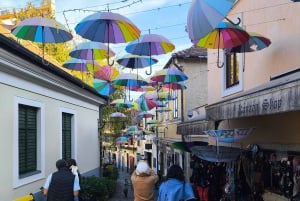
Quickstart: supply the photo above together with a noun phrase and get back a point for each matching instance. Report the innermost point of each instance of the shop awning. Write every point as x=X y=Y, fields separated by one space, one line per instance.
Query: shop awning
x=195 y=127
x=281 y=94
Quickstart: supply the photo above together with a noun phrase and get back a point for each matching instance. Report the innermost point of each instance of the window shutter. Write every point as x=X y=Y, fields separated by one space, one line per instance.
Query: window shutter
x=27 y=139
x=66 y=136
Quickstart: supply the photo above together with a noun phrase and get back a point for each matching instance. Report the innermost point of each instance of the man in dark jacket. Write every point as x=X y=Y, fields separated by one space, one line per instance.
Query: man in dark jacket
x=61 y=185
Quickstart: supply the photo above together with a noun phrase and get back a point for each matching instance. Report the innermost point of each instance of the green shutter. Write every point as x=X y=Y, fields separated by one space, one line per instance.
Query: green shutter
x=27 y=139
x=66 y=136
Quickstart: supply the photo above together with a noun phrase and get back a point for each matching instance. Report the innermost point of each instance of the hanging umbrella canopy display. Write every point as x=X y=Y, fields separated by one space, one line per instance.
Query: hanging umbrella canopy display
x=41 y=30
x=81 y=65
x=91 y=51
x=154 y=123
x=121 y=140
x=145 y=114
x=108 y=73
x=107 y=27
x=145 y=104
x=160 y=96
x=169 y=75
x=205 y=15
x=121 y=103
x=256 y=42
x=103 y=87
x=216 y=153
x=225 y=35
x=136 y=62
x=229 y=135
x=175 y=86
x=117 y=115
x=129 y=80
x=149 y=45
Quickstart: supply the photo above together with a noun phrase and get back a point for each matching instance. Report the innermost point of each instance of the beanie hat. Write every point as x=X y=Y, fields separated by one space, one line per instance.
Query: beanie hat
x=142 y=167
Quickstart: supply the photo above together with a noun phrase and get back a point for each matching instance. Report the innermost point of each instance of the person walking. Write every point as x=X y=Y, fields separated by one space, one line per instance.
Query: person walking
x=175 y=187
x=143 y=181
x=61 y=185
x=72 y=166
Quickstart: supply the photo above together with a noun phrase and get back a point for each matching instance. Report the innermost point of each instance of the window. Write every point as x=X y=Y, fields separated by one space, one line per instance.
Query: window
x=68 y=133
x=232 y=73
x=28 y=146
x=66 y=136
x=175 y=104
x=27 y=139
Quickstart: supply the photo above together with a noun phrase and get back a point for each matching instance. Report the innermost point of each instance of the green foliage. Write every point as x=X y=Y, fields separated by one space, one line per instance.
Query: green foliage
x=97 y=189
x=110 y=172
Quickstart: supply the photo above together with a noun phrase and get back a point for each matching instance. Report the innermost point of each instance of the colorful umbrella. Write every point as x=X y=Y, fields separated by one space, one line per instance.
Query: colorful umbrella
x=229 y=135
x=174 y=86
x=103 y=87
x=145 y=115
x=256 y=42
x=205 y=15
x=42 y=30
x=108 y=73
x=145 y=104
x=225 y=35
x=169 y=75
x=107 y=27
x=136 y=62
x=91 y=51
x=160 y=96
x=117 y=115
x=81 y=65
x=121 y=103
x=154 y=123
x=121 y=140
x=150 y=44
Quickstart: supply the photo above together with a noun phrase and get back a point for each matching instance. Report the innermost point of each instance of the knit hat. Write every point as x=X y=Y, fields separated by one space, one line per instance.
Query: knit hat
x=142 y=167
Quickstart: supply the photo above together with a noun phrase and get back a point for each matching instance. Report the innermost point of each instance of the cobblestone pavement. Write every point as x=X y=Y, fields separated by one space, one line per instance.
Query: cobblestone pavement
x=119 y=195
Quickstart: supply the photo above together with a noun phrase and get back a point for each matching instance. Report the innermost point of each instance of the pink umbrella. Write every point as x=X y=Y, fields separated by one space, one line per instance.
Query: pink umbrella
x=108 y=73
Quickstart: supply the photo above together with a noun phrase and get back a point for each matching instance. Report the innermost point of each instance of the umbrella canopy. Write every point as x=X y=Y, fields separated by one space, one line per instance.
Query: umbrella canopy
x=136 y=62
x=117 y=115
x=154 y=123
x=107 y=27
x=121 y=140
x=121 y=103
x=160 y=96
x=42 y=30
x=150 y=44
x=145 y=104
x=204 y=16
x=81 y=65
x=145 y=114
x=91 y=51
x=225 y=35
x=216 y=153
x=175 y=86
x=169 y=75
x=103 y=87
x=229 y=135
x=108 y=73
x=129 y=80
x=256 y=42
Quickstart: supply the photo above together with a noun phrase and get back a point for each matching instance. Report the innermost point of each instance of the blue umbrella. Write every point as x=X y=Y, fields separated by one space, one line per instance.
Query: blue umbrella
x=205 y=15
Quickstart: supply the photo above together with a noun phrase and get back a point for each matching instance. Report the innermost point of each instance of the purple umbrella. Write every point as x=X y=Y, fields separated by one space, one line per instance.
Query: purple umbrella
x=81 y=65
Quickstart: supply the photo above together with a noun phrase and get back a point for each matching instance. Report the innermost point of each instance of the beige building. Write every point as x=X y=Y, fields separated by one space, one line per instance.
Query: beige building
x=262 y=90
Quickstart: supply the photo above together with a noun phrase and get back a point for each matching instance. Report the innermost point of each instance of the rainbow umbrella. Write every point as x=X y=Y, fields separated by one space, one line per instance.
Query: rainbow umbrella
x=169 y=75
x=160 y=96
x=117 y=115
x=81 y=65
x=204 y=16
x=145 y=104
x=174 y=86
x=108 y=73
x=41 y=30
x=91 y=51
x=121 y=103
x=148 y=45
x=256 y=42
x=121 y=140
x=225 y=35
x=145 y=114
x=103 y=87
x=107 y=27
x=154 y=123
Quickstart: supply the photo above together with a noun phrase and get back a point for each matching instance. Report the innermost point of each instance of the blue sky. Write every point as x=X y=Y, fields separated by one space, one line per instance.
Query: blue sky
x=164 y=17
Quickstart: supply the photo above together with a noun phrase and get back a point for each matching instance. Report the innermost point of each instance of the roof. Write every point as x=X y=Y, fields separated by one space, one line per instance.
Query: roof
x=14 y=47
x=192 y=52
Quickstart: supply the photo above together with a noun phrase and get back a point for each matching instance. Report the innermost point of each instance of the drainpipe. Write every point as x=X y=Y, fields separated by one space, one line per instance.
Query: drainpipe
x=101 y=125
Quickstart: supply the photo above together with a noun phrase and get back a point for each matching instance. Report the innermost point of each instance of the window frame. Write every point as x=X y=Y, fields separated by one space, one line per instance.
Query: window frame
x=40 y=172
x=73 y=134
x=175 y=104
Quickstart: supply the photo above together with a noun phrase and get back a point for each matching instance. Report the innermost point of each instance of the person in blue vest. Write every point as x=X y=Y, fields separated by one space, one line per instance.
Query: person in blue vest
x=175 y=187
x=61 y=185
